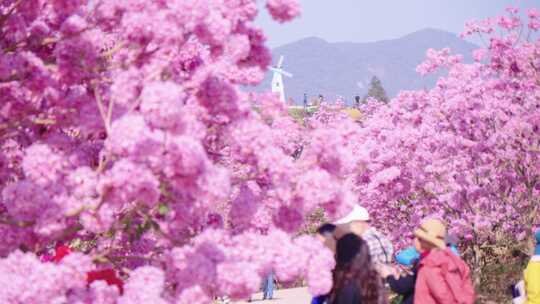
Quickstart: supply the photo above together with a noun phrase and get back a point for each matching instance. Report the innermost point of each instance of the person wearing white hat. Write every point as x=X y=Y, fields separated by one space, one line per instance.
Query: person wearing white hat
x=358 y=222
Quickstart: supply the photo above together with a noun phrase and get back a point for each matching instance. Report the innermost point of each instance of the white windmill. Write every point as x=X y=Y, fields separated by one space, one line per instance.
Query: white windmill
x=277 y=80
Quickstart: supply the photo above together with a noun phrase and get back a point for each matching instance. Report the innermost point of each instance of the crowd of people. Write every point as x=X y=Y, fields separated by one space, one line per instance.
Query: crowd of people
x=429 y=272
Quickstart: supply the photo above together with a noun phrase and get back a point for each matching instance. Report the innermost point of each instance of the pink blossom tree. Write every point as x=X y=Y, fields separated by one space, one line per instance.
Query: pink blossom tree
x=465 y=150
x=125 y=136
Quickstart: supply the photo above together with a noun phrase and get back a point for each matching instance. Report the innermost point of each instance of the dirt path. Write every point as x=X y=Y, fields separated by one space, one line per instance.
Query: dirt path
x=285 y=296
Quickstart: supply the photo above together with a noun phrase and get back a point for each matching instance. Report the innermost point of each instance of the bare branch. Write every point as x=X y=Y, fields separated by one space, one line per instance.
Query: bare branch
x=101 y=108
x=5 y=17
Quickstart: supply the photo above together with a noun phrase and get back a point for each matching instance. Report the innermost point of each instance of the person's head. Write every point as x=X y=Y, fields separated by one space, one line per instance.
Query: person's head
x=326 y=234
x=347 y=247
x=430 y=235
x=354 y=266
x=357 y=221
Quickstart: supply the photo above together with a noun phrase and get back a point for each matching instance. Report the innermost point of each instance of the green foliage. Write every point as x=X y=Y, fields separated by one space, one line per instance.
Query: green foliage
x=163 y=209
x=396 y=300
x=376 y=90
x=299 y=113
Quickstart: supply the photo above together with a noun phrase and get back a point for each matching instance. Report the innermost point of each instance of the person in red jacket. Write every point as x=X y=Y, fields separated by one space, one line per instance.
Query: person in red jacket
x=443 y=277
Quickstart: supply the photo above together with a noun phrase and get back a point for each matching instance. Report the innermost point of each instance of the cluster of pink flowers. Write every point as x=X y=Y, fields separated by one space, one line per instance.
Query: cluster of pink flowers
x=283 y=10
x=124 y=133
x=438 y=59
x=462 y=150
x=129 y=138
x=216 y=260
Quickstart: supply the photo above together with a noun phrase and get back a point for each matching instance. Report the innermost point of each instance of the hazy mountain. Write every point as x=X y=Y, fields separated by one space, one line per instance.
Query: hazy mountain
x=345 y=68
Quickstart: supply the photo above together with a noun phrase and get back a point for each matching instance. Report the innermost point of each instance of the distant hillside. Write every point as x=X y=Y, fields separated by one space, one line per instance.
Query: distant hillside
x=345 y=68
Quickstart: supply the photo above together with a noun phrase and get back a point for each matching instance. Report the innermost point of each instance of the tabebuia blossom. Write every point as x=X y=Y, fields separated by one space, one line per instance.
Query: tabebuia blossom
x=465 y=150
x=145 y=285
x=128 y=142
x=283 y=10
x=127 y=138
x=437 y=59
x=26 y=279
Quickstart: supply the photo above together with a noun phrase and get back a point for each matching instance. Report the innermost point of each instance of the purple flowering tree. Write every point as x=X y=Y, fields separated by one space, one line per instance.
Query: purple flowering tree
x=124 y=135
x=465 y=150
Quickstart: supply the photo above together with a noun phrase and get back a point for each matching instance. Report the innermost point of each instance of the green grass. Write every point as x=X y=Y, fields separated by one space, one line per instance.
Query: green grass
x=299 y=113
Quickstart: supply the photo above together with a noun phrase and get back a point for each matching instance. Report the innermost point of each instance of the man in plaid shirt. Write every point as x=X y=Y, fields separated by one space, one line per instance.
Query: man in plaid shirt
x=380 y=248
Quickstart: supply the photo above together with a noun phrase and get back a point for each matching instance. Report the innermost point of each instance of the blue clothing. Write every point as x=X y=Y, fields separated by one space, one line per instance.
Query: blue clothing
x=318 y=300
x=268 y=287
x=537 y=237
x=407 y=257
x=454 y=249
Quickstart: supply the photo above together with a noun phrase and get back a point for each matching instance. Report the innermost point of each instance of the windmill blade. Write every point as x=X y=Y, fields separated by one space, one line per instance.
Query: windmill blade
x=285 y=73
x=280 y=71
x=280 y=62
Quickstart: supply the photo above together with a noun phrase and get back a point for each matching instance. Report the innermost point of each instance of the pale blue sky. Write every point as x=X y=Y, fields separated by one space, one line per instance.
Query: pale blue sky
x=364 y=21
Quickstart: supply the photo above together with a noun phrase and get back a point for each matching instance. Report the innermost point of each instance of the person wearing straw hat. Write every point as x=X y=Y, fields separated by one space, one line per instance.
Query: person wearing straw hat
x=443 y=277
x=532 y=274
x=358 y=221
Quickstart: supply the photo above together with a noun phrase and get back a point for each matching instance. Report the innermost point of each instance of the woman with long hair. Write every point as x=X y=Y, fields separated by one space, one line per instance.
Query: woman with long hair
x=356 y=281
